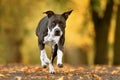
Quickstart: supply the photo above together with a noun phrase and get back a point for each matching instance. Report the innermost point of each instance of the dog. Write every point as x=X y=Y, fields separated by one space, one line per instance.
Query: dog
x=51 y=31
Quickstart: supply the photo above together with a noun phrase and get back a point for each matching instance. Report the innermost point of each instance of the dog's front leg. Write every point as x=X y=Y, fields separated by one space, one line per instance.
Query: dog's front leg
x=60 y=51
x=44 y=58
x=54 y=53
x=59 y=58
x=51 y=68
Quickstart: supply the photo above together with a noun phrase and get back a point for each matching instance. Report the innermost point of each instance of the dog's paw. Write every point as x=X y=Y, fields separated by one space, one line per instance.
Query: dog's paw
x=51 y=69
x=44 y=66
x=52 y=72
x=60 y=65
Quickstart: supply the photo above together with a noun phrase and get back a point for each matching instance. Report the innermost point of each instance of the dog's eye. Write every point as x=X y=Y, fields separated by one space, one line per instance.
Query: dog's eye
x=53 y=23
x=61 y=24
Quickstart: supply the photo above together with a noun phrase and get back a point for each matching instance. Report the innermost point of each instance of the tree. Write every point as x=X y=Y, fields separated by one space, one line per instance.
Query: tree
x=12 y=28
x=117 y=39
x=101 y=27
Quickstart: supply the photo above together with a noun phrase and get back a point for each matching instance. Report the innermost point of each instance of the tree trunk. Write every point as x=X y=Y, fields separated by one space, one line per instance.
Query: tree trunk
x=76 y=56
x=102 y=25
x=12 y=49
x=117 y=40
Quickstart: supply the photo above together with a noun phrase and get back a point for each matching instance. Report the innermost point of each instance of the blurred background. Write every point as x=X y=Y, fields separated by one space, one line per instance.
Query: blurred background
x=92 y=32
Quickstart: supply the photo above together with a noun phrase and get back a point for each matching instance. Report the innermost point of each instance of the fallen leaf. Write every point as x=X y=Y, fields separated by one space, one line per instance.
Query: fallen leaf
x=61 y=78
x=81 y=78
x=70 y=74
x=26 y=70
x=5 y=76
x=2 y=75
x=114 y=72
x=81 y=69
x=38 y=69
x=72 y=69
x=18 y=78
x=88 y=76
x=98 y=77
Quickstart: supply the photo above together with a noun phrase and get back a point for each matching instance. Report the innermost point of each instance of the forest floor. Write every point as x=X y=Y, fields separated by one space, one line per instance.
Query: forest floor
x=36 y=72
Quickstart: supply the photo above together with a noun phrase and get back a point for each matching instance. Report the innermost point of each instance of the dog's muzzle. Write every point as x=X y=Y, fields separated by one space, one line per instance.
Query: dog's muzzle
x=57 y=32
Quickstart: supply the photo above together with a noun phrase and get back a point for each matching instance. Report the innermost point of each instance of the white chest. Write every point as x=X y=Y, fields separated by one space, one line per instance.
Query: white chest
x=51 y=39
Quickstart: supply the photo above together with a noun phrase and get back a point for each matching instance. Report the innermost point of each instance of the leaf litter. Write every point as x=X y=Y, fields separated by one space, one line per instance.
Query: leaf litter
x=68 y=72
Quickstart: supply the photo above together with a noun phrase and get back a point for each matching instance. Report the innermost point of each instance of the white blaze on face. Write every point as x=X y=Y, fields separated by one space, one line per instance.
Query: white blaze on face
x=52 y=32
x=51 y=39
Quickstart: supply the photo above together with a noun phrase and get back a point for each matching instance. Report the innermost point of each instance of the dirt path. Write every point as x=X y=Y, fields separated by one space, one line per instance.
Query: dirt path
x=35 y=72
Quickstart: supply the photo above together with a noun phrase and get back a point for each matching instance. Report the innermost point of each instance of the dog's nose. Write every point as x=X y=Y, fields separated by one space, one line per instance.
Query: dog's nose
x=57 y=32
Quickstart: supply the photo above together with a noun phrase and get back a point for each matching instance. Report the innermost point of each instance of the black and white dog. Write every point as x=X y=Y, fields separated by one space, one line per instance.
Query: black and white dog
x=51 y=31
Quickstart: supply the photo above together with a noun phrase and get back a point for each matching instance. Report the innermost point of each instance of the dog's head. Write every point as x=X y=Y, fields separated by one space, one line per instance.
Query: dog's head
x=57 y=22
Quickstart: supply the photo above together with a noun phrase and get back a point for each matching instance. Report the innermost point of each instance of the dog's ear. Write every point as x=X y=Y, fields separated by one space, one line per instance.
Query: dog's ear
x=66 y=14
x=49 y=13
